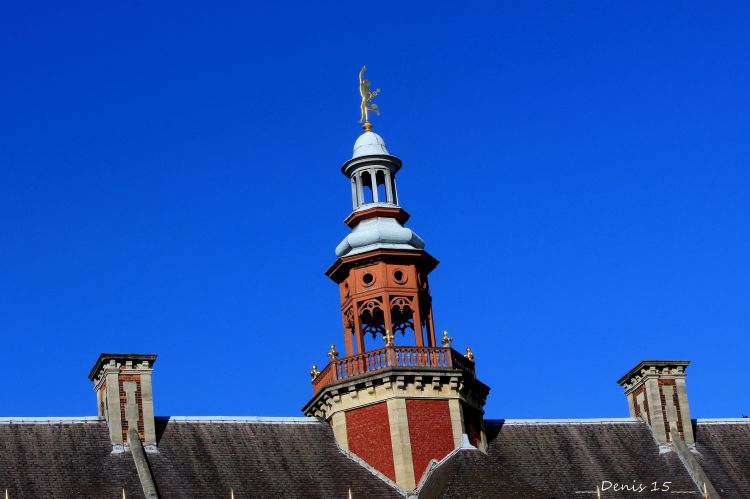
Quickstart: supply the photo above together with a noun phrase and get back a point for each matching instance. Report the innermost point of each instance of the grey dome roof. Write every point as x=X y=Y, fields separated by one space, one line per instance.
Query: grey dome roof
x=368 y=144
x=376 y=233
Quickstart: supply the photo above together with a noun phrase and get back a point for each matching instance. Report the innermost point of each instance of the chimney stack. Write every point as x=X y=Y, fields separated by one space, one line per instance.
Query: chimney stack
x=656 y=392
x=122 y=383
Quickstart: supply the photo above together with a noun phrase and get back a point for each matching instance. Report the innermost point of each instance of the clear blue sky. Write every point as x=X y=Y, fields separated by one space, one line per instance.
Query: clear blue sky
x=169 y=183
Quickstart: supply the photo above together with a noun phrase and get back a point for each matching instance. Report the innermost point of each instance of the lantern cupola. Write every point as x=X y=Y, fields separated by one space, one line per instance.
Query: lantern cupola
x=382 y=266
x=377 y=219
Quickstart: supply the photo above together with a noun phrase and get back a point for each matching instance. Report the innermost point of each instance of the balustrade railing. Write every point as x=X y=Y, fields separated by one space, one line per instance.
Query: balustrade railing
x=389 y=357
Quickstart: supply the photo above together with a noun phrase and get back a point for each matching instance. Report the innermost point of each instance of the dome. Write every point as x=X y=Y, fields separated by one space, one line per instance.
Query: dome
x=368 y=144
x=376 y=233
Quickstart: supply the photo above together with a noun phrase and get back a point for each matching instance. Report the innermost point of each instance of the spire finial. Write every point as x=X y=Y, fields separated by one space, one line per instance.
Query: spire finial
x=367 y=97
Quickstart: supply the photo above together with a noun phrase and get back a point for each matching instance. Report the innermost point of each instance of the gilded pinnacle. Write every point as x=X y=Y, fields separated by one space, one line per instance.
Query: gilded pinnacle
x=447 y=340
x=332 y=353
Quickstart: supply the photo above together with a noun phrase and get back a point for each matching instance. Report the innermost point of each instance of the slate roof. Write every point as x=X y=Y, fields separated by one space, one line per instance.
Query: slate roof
x=63 y=460
x=196 y=459
x=560 y=458
x=565 y=459
x=298 y=458
x=258 y=459
x=724 y=454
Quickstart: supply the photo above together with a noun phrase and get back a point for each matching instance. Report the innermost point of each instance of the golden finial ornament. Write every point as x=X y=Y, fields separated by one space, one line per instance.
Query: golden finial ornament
x=388 y=338
x=123 y=494
x=598 y=493
x=231 y=493
x=314 y=372
x=332 y=353
x=469 y=354
x=6 y=494
x=367 y=97
x=350 y=493
x=447 y=340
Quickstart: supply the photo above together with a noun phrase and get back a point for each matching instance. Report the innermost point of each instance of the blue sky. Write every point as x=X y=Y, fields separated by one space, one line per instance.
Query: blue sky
x=169 y=183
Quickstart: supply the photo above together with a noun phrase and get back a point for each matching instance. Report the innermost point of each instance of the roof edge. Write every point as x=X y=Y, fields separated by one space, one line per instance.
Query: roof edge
x=582 y=421
x=241 y=419
x=718 y=421
x=52 y=420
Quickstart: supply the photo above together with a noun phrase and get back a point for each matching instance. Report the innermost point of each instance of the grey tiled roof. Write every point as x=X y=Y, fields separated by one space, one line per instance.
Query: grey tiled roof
x=724 y=453
x=63 y=460
x=558 y=459
x=257 y=459
x=298 y=458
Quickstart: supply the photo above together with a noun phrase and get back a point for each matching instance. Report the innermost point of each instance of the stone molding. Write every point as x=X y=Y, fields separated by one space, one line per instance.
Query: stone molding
x=397 y=383
x=663 y=369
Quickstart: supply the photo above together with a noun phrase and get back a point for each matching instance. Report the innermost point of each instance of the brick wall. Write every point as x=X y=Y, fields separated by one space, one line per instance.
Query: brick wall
x=675 y=401
x=369 y=435
x=122 y=378
x=635 y=394
x=430 y=432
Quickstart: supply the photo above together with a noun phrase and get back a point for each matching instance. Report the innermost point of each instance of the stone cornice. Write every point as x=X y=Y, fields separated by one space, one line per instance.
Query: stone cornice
x=114 y=362
x=397 y=383
x=648 y=369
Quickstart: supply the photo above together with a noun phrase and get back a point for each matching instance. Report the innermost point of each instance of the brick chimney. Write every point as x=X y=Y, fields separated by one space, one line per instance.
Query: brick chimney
x=656 y=392
x=122 y=383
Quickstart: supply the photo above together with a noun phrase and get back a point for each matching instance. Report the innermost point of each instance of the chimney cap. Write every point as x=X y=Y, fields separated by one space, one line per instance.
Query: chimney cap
x=651 y=363
x=124 y=357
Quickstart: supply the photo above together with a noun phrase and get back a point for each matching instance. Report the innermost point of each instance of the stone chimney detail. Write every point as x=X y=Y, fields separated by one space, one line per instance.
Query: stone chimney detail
x=656 y=392
x=122 y=383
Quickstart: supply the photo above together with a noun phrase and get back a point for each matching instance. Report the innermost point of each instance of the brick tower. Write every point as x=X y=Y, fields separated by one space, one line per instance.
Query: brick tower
x=396 y=399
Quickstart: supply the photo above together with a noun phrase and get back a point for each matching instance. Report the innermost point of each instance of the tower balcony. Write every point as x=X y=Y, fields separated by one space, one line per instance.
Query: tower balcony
x=390 y=357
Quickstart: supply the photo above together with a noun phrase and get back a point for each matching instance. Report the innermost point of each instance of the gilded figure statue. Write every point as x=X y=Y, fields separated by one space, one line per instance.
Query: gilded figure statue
x=367 y=97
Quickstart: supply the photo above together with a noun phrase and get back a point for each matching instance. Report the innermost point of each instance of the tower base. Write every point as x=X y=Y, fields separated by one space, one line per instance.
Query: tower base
x=400 y=419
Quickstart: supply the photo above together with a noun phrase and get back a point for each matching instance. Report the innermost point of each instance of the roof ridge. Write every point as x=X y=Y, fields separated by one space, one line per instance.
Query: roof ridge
x=51 y=420
x=241 y=419
x=714 y=421
x=573 y=421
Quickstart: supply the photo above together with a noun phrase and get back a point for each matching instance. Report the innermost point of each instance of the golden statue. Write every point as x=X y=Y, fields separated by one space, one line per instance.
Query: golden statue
x=367 y=97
